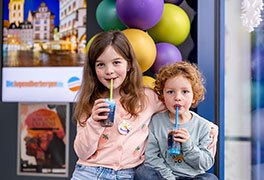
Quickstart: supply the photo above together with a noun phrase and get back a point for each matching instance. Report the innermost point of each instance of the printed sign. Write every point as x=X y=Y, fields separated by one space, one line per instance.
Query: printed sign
x=43 y=139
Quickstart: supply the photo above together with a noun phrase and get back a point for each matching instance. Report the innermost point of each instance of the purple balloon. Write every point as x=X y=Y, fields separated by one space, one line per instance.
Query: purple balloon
x=177 y=2
x=166 y=54
x=140 y=14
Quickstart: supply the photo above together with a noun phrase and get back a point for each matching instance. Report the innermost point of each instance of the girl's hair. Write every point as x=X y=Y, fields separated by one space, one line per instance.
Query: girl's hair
x=133 y=98
x=187 y=70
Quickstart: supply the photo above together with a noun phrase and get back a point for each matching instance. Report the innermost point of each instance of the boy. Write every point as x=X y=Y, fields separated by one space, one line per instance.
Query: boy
x=178 y=85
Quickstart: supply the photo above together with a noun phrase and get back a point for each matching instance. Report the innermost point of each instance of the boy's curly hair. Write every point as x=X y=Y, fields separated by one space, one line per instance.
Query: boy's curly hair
x=189 y=71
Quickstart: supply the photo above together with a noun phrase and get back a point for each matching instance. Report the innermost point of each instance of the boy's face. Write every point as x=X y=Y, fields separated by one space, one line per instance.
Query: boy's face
x=178 y=92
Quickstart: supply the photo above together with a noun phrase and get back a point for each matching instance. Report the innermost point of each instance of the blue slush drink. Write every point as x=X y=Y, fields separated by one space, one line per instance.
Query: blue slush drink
x=111 y=115
x=174 y=148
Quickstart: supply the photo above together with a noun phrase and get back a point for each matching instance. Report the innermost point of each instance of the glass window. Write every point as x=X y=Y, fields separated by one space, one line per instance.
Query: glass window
x=244 y=97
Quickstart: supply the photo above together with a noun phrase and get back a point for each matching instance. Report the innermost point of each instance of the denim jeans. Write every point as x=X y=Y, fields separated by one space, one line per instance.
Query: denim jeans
x=204 y=176
x=82 y=172
x=148 y=173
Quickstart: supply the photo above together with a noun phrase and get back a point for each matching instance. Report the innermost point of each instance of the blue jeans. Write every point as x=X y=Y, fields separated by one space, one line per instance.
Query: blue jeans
x=148 y=173
x=204 y=176
x=82 y=172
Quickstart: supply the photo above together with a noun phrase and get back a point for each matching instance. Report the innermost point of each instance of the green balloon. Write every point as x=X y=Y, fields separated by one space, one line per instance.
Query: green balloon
x=106 y=16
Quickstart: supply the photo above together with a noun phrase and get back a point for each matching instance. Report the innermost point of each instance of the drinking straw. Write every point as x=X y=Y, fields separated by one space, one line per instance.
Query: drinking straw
x=111 y=89
x=176 y=118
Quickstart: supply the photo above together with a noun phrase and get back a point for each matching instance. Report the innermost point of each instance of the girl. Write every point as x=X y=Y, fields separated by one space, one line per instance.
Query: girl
x=109 y=152
x=106 y=152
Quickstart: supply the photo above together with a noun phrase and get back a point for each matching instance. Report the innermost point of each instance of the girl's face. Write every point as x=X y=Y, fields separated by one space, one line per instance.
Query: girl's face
x=110 y=65
x=178 y=92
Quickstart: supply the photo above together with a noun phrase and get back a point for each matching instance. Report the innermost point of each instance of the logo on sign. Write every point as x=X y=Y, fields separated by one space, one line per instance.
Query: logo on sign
x=74 y=83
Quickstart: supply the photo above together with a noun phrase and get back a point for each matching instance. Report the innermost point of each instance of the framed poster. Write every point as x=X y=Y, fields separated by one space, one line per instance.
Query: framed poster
x=42 y=49
x=43 y=139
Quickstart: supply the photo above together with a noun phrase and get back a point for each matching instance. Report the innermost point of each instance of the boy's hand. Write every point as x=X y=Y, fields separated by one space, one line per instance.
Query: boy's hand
x=181 y=135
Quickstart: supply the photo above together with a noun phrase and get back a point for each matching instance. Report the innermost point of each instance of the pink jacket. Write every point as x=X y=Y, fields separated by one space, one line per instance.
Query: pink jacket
x=99 y=146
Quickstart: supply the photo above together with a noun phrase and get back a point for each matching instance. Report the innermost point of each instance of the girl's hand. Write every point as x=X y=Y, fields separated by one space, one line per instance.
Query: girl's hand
x=214 y=135
x=100 y=110
x=181 y=135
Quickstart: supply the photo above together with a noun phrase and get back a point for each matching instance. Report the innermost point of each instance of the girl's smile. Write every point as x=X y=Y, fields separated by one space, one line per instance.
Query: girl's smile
x=111 y=65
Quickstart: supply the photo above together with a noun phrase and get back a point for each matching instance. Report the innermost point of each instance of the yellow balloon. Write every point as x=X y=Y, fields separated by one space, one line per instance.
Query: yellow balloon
x=144 y=47
x=173 y=27
x=89 y=43
x=148 y=81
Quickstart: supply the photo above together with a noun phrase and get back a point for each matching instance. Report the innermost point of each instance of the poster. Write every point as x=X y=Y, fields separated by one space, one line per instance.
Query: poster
x=43 y=139
x=43 y=33
x=42 y=49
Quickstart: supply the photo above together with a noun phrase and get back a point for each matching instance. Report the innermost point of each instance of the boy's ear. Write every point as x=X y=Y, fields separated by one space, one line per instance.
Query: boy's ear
x=193 y=102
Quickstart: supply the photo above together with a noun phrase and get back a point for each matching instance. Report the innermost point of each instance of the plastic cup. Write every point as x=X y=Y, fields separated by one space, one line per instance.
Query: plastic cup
x=111 y=115
x=174 y=148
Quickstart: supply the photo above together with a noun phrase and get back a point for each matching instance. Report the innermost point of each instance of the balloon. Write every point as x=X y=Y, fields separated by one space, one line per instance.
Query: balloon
x=106 y=16
x=148 y=81
x=173 y=27
x=89 y=43
x=141 y=14
x=177 y=2
x=166 y=54
x=144 y=47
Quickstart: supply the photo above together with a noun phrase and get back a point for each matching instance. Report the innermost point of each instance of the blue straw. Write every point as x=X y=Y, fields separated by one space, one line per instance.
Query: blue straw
x=176 y=118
